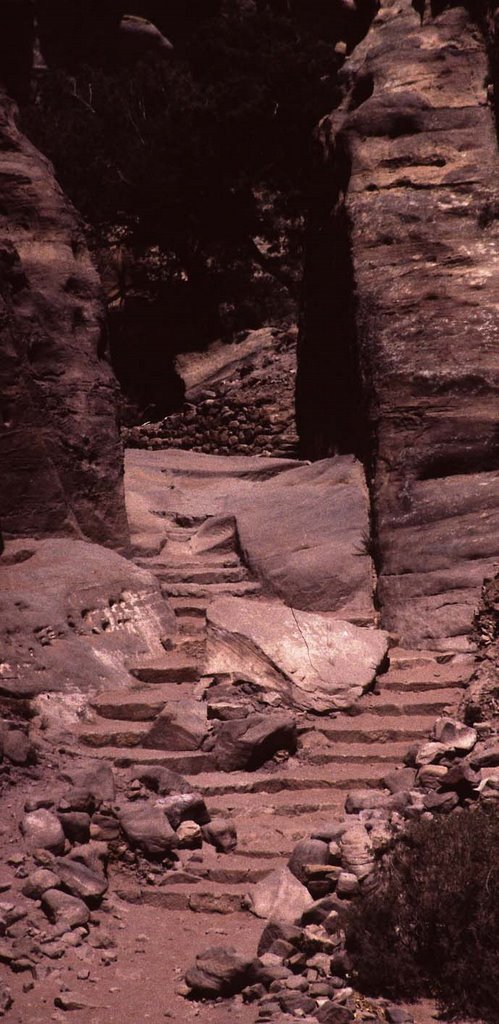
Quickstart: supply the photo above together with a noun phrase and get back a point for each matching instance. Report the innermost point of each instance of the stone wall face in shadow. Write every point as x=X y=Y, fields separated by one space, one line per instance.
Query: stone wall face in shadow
x=60 y=452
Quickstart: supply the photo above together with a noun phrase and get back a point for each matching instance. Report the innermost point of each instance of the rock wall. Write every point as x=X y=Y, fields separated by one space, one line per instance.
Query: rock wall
x=410 y=194
x=60 y=452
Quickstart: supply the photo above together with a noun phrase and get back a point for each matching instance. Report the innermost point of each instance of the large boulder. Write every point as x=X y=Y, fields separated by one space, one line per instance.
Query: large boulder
x=160 y=780
x=307 y=851
x=139 y=38
x=221 y=833
x=65 y=910
x=302 y=528
x=78 y=880
x=181 y=725
x=96 y=782
x=42 y=830
x=357 y=854
x=184 y=807
x=455 y=736
x=16 y=746
x=312 y=661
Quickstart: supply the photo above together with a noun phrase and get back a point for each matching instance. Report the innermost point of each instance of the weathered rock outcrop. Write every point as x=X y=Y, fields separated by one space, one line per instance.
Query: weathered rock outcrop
x=413 y=189
x=74 y=616
x=60 y=453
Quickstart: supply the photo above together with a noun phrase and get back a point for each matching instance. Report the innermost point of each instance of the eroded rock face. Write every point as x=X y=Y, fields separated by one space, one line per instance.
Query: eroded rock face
x=60 y=453
x=414 y=178
x=73 y=617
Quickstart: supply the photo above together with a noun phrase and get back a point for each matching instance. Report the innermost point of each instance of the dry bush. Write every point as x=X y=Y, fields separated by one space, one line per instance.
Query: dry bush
x=431 y=926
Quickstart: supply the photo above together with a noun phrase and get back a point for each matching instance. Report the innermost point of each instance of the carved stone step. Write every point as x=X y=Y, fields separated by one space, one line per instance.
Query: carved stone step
x=422 y=678
x=103 y=733
x=140 y=704
x=324 y=753
x=173 y=668
x=427 y=702
x=189 y=607
x=295 y=778
x=202 y=897
x=184 y=762
x=370 y=728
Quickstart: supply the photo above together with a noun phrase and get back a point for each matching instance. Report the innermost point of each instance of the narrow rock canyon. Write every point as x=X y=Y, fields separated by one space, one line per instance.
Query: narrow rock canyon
x=248 y=643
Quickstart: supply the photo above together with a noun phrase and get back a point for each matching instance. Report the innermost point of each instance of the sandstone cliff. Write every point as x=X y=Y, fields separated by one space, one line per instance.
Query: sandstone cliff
x=60 y=453
x=408 y=358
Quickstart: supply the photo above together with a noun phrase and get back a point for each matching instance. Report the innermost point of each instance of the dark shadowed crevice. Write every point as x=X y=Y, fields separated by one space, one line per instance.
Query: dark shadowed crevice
x=330 y=401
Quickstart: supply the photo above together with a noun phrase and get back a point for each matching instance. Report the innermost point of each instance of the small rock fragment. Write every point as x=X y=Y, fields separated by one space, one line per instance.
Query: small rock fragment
x=221 y=833
x=189 y=834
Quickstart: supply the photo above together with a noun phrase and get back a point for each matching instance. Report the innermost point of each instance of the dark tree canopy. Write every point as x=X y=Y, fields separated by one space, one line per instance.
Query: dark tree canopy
x=198 y=163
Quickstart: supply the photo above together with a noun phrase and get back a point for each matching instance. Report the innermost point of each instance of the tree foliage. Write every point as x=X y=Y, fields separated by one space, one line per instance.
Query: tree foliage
x=183 y=153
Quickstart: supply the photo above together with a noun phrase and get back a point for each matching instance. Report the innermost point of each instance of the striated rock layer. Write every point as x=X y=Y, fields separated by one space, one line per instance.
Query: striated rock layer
x=60 y=453
x=412 y=198
x=74 y=618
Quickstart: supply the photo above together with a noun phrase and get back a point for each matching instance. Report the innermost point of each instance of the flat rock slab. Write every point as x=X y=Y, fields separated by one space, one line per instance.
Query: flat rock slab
x=312 y=661
x=302 y=528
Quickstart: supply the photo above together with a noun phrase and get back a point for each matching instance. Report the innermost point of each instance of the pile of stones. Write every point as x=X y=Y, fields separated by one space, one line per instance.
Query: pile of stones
x=302 y=968
x=243 y=408
x=218 y=423
x=58 y=881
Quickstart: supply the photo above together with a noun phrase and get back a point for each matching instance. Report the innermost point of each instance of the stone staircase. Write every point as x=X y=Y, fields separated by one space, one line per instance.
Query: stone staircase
x=285 y=800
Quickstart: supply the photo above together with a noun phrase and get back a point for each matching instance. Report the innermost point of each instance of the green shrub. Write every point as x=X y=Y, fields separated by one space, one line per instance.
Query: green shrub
x=431 y=925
